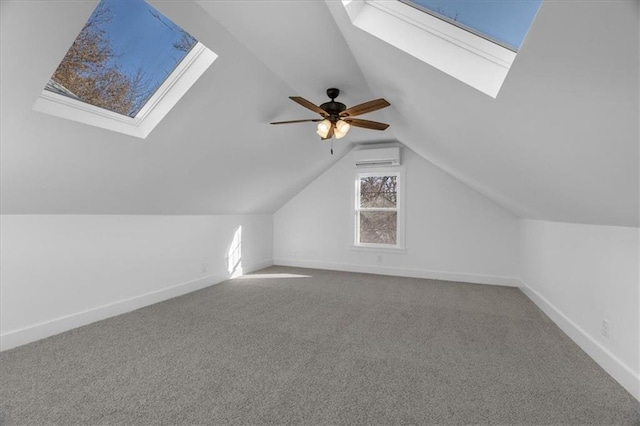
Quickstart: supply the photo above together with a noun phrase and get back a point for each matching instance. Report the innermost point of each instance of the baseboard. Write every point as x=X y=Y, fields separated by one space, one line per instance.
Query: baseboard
x=402 y=272
x=42 y=330
x=617 y=369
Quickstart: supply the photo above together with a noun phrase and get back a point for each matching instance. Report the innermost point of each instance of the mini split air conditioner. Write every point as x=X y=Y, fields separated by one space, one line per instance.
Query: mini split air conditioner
x=379 y=157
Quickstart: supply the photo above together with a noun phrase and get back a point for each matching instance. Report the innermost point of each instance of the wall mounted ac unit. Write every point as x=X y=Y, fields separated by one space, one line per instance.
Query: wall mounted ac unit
x=377 y=157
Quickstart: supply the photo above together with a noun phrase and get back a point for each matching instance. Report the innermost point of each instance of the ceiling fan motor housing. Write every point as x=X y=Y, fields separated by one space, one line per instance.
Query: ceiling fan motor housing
x=333 y=108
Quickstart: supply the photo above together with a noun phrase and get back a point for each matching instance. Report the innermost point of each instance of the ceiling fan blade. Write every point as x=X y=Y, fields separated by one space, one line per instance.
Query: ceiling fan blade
x=305 y=103
x=297 y=121
x=365 y=108
x=367 y=124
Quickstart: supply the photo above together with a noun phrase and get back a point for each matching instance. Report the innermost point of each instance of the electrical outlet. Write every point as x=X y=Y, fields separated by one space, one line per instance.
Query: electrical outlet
x=205 y=267
x=605 y=330
x=379 y=259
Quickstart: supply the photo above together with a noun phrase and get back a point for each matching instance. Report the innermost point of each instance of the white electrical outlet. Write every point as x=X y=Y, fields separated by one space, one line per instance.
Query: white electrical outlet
x=205 y=267
x=605 y=330
x=379 y=259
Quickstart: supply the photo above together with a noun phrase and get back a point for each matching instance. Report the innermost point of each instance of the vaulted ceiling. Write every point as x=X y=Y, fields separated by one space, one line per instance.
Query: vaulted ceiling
x=560 y=142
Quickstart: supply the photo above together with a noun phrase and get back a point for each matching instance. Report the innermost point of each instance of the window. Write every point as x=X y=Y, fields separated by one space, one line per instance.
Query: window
x=377 y=210
x=126 y=69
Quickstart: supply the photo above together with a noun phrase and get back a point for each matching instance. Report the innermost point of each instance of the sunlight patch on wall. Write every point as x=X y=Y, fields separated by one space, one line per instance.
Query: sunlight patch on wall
x=234 y=255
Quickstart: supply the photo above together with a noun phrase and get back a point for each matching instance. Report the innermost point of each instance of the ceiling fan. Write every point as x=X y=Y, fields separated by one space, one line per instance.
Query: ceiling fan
x=337 y=118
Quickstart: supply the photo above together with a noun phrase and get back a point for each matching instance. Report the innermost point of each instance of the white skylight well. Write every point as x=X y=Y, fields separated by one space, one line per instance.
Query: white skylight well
x=126 y=69
x=473 y=41
x=502 y=22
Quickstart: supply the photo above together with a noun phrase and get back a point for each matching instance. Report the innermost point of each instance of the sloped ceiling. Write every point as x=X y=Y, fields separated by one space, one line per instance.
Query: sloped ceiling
x=214 y=153
x=559 y=143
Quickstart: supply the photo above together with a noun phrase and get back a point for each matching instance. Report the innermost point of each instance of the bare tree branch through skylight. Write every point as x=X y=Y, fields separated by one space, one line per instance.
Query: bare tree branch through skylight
x=122 y=55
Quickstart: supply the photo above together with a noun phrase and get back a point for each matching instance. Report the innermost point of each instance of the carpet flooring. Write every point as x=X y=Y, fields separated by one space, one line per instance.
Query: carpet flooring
x=303 y=346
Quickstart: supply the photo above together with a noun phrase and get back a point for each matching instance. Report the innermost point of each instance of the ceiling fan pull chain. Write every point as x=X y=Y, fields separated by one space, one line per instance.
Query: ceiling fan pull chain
x=331 y=146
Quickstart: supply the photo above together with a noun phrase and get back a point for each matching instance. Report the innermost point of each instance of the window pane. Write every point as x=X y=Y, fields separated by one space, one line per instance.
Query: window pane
x=504 y=21
x=378 y=227
x=378 y=191
x=122 y=55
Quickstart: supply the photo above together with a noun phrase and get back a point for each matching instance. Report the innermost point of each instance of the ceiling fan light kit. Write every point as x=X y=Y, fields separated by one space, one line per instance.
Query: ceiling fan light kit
x=337 y=119
x=342 y=127
x=323 y=128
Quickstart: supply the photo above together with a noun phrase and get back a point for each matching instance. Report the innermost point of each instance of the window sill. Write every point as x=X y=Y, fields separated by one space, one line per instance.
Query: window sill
x=381 y=249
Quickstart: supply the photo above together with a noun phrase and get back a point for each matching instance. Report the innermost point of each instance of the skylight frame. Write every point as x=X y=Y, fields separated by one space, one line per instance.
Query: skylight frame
x=165 y=97
x=460 y=25
x=470 y=58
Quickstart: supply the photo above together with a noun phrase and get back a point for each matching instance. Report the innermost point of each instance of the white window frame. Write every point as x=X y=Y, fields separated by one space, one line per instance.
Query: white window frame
x=400 y=189
x=470 y=58
x=186 y=73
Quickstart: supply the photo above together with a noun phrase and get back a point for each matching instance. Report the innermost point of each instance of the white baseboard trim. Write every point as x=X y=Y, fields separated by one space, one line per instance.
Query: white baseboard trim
x=45 y=329
x=402 y=272
x=617 y=369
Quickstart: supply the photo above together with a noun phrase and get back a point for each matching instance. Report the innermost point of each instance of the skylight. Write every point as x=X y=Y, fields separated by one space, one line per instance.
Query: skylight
x=126 y=69
x=503 y=22
x=474 y=41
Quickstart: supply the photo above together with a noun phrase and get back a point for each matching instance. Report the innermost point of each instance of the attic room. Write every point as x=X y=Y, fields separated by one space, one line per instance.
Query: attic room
x=451 y=237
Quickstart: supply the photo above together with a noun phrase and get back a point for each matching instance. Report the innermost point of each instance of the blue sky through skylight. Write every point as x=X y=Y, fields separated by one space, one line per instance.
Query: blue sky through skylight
x=504 y=21
x=122 y=55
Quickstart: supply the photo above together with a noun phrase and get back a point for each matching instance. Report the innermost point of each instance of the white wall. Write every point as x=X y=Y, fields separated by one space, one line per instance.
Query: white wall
x=582 y=274
x=62 y=271
x=452 y=232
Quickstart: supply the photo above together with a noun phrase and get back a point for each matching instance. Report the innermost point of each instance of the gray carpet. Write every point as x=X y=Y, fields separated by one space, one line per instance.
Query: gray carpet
x=330 y=348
